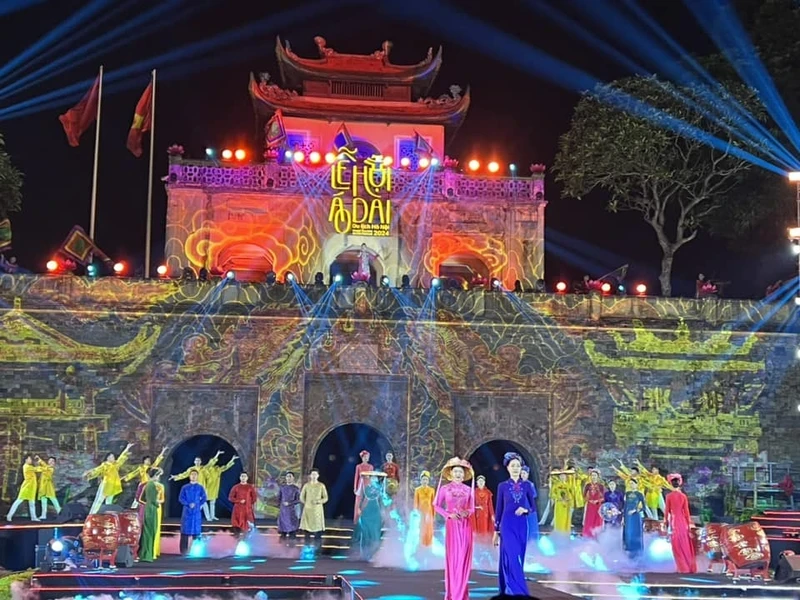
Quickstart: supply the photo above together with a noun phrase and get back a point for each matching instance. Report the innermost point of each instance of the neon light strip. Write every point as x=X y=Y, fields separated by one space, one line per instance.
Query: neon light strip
x=85 y=589
x=85 y=574
x=738 y=586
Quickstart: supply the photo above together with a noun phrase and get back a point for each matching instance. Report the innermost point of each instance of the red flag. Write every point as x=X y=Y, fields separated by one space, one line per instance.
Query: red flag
x=78 y=118
x=141 y=121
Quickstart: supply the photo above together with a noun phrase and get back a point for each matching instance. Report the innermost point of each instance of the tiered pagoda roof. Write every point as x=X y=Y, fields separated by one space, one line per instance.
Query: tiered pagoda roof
x=358 y=88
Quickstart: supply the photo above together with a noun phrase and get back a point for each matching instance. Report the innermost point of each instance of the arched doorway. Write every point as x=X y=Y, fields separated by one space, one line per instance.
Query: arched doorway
x=346 y=263
x=182 y=457
x=487 y=460
x=463 y=268
x=336 y=458
x=249 y=261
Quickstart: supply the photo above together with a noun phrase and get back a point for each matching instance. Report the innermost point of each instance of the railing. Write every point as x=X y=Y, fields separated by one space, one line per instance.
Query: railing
x=293 y=179
x=539 y=310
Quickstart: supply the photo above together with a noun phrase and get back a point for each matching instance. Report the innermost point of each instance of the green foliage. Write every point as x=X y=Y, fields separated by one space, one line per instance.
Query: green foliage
x=633 y=139
x=10 y=184
x=23 y=577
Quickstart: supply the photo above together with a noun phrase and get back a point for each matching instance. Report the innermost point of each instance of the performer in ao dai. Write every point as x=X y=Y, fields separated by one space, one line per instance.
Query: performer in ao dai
x=563 y=502
x=516 y=499
x=617 y=498
x=633 y=519
x=243 y=497
x=27 y=491
x=47 y=489
x=361 y=467
x=370 y=517
x=483 y=517
x=533 y=515
x=151 y=500
x=677 y=516
x=594 y=495
x=455 y=501
x=193 y=499
x=289 y=503
x=313 y=496
x=201 y=471
x=142 y=473
x=423 y=504
x=110 y=482
x=212 y=473
x=654 y=486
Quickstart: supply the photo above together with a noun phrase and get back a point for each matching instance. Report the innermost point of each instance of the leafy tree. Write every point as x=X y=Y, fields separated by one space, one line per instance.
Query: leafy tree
x=651 y=161
x=10 y=184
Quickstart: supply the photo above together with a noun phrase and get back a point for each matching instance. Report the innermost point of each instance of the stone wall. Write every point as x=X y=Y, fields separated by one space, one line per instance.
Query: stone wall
x=86 y=367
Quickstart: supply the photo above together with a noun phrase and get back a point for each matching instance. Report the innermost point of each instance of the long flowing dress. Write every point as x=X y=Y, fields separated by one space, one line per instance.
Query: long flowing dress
x=483 y=517
x=423 y=504
x=616 y=498
x=313 y=496
x=360 y=468
x=563 y=503
x=633 y=523
x=513 y=530
x=676 y=513
x=288 y=499
x=456 y=500
x=243 y=497
x=593 y=494
x=161 y=500
x=149 y=499
x=392 y=470
x=370 y=521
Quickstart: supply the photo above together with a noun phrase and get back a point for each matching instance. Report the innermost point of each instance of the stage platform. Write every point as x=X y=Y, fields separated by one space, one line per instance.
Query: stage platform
x=339 y=577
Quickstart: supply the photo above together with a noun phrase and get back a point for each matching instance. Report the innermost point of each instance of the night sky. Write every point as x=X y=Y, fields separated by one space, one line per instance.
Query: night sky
x=202 y=100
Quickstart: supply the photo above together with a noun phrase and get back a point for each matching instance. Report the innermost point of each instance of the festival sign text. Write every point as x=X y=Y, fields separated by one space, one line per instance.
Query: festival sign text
x=366 y=213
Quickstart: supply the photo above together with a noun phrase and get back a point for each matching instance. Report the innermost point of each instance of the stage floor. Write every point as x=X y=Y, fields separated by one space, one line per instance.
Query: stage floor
x=341 y=577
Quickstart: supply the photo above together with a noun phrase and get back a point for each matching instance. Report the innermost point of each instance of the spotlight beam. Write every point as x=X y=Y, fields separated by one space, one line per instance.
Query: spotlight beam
x=64 y=29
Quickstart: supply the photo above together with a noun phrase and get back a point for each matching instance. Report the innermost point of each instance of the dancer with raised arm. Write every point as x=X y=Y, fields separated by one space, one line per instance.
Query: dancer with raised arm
x=212 y=473
x=47 y=489
x=243 y=497
x=27 y=491
x=455 y=501
x=142 y=472
x=423 y=504
x=288 y=503
x=200 y=468
x=679 y=520
x=192 y=498
x=516 y=499
x=110 y=482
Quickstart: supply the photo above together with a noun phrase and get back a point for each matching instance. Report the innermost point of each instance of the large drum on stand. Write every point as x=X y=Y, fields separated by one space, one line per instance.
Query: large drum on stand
x=709 y=543
x=746 y=550
x=101 y=537
x=130 y=531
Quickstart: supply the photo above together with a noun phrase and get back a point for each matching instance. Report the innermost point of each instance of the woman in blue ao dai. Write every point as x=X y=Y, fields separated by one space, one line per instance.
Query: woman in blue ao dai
x=516 y=498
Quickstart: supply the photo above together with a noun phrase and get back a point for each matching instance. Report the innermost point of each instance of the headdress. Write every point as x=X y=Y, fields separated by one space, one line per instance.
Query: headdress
x=526 y=468
x=457 y=462
x=509 y=456
x=480 y=477
x=363 y=453
x=677 y=476
x=425 y=474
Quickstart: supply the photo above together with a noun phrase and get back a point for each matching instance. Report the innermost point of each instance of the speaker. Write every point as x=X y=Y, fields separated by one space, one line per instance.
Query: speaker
x=72 y=512
x=788 y=568
x=110 y=508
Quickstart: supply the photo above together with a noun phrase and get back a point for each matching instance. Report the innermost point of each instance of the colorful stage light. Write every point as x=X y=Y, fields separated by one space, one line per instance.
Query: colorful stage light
x=230 y=275
x=561 y=287
x=495 y=283
x=240 y=154
x=119 y=268
x=162 y=270
x=210 y=152
x=227 y=154
x=434 y=161
x=289 y=277
x=641 y=289
x=435 y=282
x=314 y=157
x=330 y=158
x=91 y=270
x=605 y=288
x=387 y=161
x=424 y=163
x=337 y=278
x=299 y=156
x=493 y=167
x=385 y=281
x=473 y=165
x=52 y=265
x=288 y=154
x=405 y=162
x=512 y=167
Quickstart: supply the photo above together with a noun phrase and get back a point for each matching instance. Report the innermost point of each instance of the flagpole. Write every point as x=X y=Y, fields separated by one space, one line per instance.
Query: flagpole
x=150 y=181
x=96 y=157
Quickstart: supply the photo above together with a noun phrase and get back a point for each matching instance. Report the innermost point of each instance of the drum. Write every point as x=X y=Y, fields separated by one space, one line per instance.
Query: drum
x=746 y=545
x=101 y=532
x=130 y=530
x=709 y=540
x=656 y=526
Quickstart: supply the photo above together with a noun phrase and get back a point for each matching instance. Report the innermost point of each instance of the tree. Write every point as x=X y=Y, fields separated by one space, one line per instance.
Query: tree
x=10 y=184
x=654 y=161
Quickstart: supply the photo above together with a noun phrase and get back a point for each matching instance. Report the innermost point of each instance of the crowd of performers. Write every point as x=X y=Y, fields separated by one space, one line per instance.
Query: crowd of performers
x=470 y=512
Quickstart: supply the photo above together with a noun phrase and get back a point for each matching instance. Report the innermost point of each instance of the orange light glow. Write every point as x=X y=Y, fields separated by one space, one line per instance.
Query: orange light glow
x=387 y=161
x=330 y=157
x=493 y=167
x=405 y=161
x=240 y=154
x=227 y=154
x=52 y=265
x=473 y=165
x=606 y=288
x=119 y=268
x=314 y=157
x=561 y=287
x=424 y=163
x=299 y=156
x=641 y=289
x=162 y=270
